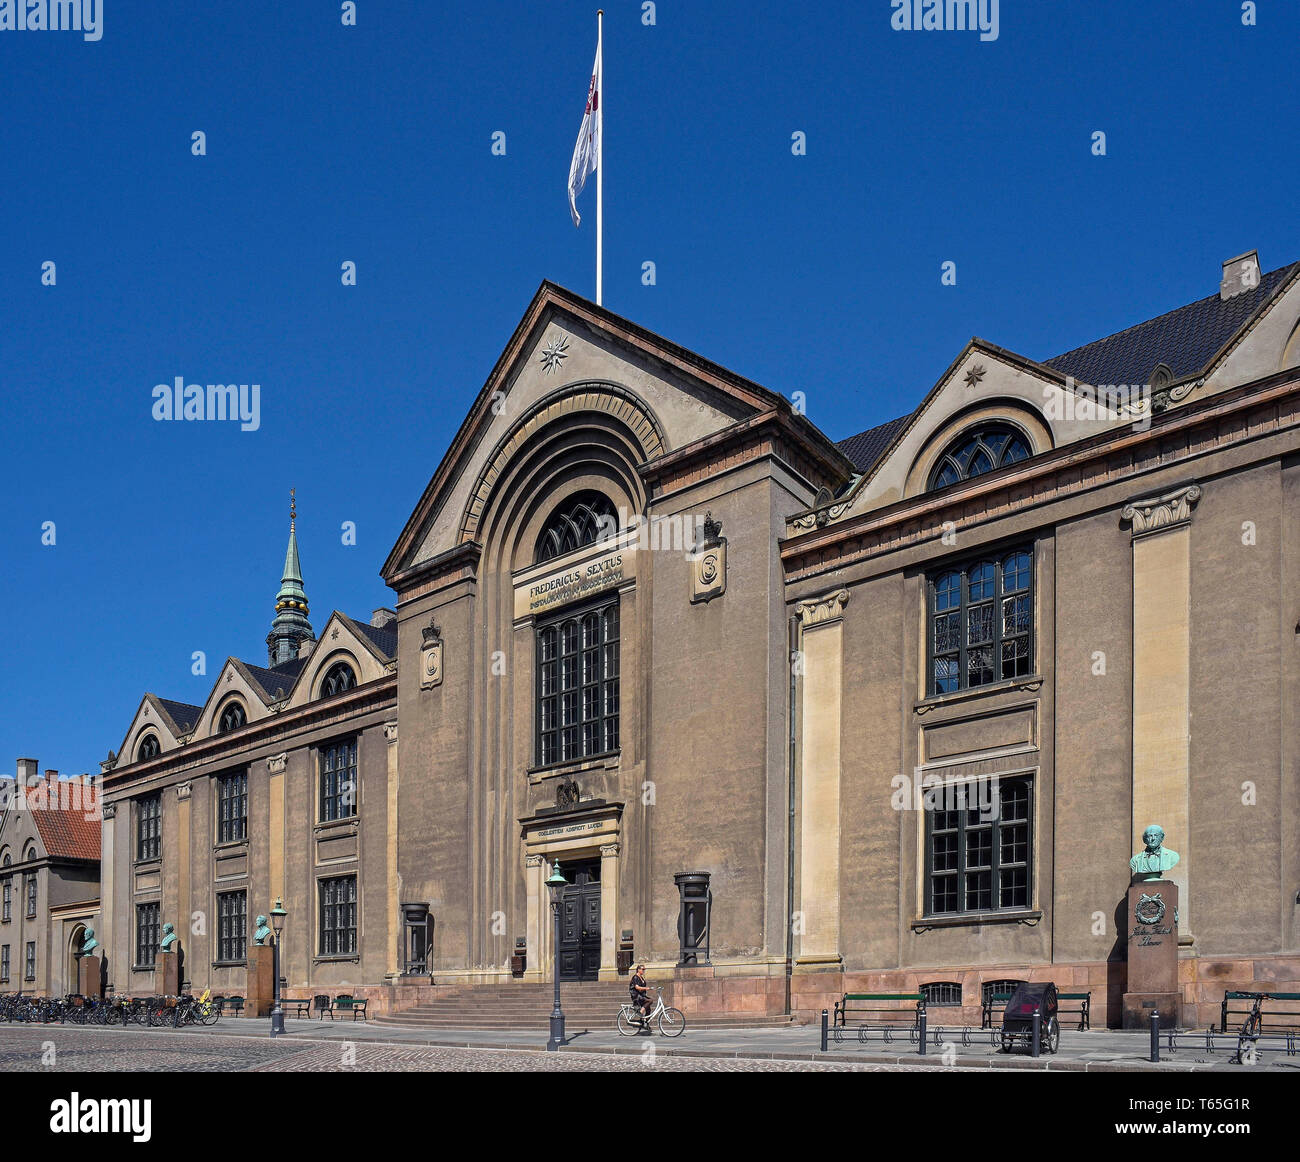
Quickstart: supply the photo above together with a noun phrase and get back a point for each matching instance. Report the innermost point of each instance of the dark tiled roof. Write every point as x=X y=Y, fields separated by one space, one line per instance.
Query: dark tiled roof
x=865 y=448
x=67 y=833
x=185 y=716
x=280 y=677
x=384 y=640
x=1186 y=339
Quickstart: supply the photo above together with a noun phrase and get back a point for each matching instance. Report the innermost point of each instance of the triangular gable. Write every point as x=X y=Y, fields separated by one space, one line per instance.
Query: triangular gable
x=234 y=679
x=341 y=640
x=569 y=326
x=154 y=714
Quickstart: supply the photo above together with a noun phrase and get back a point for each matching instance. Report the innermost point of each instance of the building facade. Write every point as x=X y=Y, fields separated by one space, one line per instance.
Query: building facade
x=898 y=708
x=49 y=879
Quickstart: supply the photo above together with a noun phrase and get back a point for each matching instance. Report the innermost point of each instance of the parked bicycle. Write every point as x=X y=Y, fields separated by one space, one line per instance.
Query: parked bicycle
x=670 y=1021
x=1250 y=1031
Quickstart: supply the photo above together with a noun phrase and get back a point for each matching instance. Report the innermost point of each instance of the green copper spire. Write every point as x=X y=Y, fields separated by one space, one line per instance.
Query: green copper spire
x=290 y=627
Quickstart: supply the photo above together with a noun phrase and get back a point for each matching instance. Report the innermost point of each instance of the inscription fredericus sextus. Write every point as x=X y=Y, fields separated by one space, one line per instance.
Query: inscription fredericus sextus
x=574 y=583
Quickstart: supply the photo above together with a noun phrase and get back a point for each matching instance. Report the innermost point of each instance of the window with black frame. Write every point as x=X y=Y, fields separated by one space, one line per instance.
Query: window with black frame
x=30 y=880
x=232 y=718
x=981 y=622
x=941 y=994
x=338 y=780
x=8 y=891
x=339 y=678
x=4 y=964
x=975 y=452
x=232 y=926
x=148 y=827
x=338 y=916
x=577 y=685
x=147 y=934
x=148 y=749
x=232 y=807
x=29 y=972
x=978 y=845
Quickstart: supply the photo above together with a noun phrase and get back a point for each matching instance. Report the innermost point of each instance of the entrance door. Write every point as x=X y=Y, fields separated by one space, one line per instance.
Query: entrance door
x=580 y=923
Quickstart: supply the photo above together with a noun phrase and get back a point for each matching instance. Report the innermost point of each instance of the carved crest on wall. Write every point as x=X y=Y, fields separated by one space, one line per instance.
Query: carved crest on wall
x=567 y=793
x=709 y=562
x=431 y=656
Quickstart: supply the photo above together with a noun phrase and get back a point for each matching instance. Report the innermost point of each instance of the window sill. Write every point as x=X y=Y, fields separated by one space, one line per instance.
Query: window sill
x=229 y=846
x=1029 y=916
x=154 y=861
x=934 y=702
x=230 y=964
x=348 y=821
x=144 y=967
x=607 y=761
x=347 y=958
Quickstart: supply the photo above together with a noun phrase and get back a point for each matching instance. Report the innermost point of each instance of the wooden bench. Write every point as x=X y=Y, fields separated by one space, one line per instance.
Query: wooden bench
x=235 y=1005
x=297 y=1006
x=1082 y=1006
x=346 y=1003
x=1271 y=1018
x=859 y=1003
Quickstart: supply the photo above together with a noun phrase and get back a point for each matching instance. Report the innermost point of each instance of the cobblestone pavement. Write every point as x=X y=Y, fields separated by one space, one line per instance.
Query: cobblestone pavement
x=65 y=1049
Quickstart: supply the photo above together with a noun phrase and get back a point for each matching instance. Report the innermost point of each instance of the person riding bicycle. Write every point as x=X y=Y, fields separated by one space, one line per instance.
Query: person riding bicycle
x=640 y=991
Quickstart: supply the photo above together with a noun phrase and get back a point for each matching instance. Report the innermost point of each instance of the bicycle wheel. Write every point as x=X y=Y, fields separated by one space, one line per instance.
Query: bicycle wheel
x=626 y=1025
x=672 y=1023
x=210 y=1014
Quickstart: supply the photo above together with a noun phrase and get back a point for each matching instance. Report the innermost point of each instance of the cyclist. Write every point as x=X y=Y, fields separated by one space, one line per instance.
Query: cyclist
x=640 y=991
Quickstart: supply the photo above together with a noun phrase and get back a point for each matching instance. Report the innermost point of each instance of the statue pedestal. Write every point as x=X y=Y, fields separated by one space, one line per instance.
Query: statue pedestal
x=260 y=985
x=167 y=975
x=89 y=978
x=1152 y=954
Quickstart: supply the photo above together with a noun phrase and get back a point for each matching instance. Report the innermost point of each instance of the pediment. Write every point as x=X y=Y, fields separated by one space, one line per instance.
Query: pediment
x=152 y=716
x=341 y=640
x=569 y=360
x=234 y=681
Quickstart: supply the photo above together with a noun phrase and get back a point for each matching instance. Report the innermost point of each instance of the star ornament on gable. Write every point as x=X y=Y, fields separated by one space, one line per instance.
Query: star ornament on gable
x=554 y=353
x=974 y=375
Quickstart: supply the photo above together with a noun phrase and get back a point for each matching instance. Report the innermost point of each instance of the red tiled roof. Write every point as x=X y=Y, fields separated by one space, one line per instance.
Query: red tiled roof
x=66 y=832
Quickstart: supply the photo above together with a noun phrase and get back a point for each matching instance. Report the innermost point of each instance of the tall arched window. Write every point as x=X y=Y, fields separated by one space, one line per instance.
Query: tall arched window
x=338 y=678
x=148 y=748
x=977 y=451
x=581 y=520
x=232 y=718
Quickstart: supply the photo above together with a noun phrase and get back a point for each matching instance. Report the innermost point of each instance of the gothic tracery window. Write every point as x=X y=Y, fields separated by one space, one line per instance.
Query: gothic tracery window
x=981 y=450
x=581 y=520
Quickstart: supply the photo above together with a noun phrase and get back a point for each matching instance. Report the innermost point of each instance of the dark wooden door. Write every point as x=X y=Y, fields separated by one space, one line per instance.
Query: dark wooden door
x=580 y=923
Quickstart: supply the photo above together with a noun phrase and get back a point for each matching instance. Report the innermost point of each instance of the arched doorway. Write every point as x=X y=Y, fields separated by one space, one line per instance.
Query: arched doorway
x=71 y=962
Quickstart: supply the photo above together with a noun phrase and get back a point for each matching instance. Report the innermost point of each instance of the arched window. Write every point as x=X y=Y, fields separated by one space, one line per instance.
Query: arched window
x=580 y=521
x=148 y=748
x=941 y=992
x=338 y=678
x=981 y=450
x=232 y=718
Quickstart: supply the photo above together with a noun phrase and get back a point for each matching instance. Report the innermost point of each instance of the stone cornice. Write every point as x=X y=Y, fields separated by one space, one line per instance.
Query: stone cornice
x=1250 y=412
x=1153 y=514
x=274 y=730
x=456 y=564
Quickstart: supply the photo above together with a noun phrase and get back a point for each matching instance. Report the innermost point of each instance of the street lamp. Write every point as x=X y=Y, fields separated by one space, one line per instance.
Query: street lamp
x=278 y=915
x=556 y=885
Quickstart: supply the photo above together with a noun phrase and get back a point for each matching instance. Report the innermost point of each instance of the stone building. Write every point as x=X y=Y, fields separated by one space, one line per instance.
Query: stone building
x=906 y=699
x=49 y=878
x=278 y=787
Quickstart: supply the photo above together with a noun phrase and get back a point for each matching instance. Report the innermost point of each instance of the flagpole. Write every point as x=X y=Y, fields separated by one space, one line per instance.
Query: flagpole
x=600 y=161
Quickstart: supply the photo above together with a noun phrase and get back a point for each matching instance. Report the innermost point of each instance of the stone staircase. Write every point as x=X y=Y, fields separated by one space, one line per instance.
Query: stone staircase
x=527 y=1007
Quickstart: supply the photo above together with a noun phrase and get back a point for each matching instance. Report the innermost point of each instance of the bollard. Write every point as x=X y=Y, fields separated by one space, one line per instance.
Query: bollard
x=1155 y=1035
x=1038 y=1033
x=920 y=1024
x=824 y=1031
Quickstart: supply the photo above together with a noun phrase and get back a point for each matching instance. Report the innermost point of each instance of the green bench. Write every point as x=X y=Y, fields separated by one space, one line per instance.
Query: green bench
x=346 y=1003
x=1269 y=1013
x=861 y=1003
x=1082 y=1006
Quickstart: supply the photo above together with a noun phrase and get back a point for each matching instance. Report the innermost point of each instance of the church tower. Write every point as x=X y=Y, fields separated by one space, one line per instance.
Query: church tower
x=290 y=627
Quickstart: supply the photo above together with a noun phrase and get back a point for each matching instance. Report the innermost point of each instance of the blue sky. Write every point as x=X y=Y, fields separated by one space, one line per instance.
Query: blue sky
x=325 y=144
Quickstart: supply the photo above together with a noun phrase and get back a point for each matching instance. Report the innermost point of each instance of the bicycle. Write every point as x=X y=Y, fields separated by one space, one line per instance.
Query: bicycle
x=631 y=1020
x=1250 y=1031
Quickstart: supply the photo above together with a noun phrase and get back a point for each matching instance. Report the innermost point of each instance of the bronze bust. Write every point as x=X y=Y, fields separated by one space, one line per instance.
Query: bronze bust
x=1157 y=859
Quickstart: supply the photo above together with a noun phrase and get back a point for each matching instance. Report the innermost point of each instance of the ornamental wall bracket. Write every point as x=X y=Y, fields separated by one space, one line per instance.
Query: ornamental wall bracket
x=610 y=850
x=277 y=763
x=1153 y=514
x=183 y=790
x=824 y=511
x=818 y=610
x=533 y=861
x=431 y=656
x=110 y=810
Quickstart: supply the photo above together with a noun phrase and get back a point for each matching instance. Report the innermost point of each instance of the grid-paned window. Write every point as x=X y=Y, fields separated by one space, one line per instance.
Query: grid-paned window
x=147 y=934
x=4 y=964
x=148 y=827
x=338 y=780
x=978 y=847
x=232 y=808
x=577 y=685
x=29 y=970
x=30 y=882
x=338 y=916
x=977 y=452
x=8 y=892
x=981 y=622
x=232 y=925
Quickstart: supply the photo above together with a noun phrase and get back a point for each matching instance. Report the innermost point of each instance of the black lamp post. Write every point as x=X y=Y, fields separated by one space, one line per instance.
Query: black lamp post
x=278 y=915
x=556 y=885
